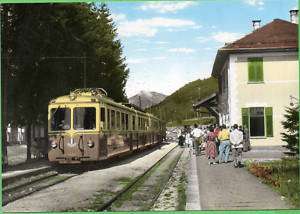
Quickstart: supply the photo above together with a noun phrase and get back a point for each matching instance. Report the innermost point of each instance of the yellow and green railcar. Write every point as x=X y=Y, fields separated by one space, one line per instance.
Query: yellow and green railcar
x=86 y=125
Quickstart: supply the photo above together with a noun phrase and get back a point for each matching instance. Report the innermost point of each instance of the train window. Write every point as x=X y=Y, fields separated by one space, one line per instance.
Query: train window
x=133 y=122
x=118 y=120
x=102 y=118
x=126 y=121
x=60 y=119
x=139 y=123
x=113 y=119
x=123 y=121
x=84 y=118
x=108 y=118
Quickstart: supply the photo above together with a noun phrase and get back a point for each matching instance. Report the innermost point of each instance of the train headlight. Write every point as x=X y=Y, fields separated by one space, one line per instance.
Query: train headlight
x=90 y=143
x=54 y=144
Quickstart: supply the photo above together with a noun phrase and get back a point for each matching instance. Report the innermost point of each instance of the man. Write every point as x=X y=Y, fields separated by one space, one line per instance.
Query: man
x=236 y=139
x=196 y=133
x=224 y=147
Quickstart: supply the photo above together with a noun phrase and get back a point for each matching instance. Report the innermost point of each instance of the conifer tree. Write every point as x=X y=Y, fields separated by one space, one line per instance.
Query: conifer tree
x=291 y=126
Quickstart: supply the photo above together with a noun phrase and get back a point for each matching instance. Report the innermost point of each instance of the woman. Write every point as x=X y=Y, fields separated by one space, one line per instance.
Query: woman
x=211 y=149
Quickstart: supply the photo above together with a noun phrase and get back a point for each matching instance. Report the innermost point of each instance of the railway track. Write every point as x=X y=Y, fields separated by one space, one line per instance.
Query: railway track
x=19 y=186
x=24 y=184
x=107 y=206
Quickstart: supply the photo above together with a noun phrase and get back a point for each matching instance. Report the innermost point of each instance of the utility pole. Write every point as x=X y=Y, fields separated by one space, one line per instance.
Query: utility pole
x=140 y=102
x=84 y=70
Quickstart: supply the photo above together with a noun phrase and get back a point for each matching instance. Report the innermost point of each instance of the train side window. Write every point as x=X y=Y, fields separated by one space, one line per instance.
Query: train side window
x=113 y=119
x=139 y=123
x=126 y=121
x=133 y=122
x=108 y=118
x=102 y=118
x=122 y=121
x=118 y=120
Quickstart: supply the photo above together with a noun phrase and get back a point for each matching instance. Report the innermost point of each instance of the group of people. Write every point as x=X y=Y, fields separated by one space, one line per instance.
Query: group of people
x=217 y=142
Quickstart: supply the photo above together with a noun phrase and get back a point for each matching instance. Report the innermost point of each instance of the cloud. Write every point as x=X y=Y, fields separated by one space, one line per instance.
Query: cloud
x=161 y=42
x=149 y=27
x=159 y=58
x=166 y=7
x=225 y=37
x=255 y=3
x=118 y=17
x=136 y=61
x=182 y=50
x=202 y=39
x=145 y=60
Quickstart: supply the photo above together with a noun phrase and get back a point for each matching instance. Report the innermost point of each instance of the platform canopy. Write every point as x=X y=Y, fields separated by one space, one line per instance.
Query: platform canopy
x=210 y=103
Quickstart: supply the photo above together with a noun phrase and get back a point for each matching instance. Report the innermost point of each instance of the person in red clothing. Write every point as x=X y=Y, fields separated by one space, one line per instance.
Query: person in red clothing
x=216 y=132
x=211 y=149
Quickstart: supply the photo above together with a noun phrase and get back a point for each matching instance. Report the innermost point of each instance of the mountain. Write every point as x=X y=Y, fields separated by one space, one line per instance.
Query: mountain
x=145 y=99
x=178 y=106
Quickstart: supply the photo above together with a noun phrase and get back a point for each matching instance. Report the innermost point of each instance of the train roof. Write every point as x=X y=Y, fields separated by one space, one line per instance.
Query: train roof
x=97 y=95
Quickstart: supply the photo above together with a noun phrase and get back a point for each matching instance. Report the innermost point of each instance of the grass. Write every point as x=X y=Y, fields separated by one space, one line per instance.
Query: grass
x=156 y=188
x=282 y=176
x=124 y=181
x=100 y=198
x=181 y=188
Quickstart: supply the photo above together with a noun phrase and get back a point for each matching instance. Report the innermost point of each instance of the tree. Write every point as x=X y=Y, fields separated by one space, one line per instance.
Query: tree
x=49 y=50
x=291 y=125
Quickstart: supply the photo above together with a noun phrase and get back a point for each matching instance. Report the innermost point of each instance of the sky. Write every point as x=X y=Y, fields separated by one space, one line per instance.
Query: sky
x=169 y=44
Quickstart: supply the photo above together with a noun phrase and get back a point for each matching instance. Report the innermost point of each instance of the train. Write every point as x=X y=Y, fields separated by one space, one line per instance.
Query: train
x=88 y=126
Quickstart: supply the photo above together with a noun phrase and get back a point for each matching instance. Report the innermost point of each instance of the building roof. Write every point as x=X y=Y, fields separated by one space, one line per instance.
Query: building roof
x=278 y=35
x=205 y=101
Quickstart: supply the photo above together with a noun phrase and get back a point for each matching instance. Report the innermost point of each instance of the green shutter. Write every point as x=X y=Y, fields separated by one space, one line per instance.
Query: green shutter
x=251 y=71
x=245 y=117
x=269 y=121
x=259 y=70
x=255 y=70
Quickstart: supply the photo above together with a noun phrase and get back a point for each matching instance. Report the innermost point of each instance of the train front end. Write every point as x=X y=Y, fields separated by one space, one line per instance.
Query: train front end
x=73 y=129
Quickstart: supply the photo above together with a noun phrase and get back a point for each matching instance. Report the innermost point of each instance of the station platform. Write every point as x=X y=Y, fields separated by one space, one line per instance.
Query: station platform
x=25 y=168
x=223 y=187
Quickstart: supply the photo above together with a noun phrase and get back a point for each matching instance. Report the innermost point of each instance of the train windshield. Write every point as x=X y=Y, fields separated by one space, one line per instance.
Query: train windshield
x=85 y=118
x=60 y=119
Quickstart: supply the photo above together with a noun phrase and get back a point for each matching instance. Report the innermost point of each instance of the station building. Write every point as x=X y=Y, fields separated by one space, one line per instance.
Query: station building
x=257 y=77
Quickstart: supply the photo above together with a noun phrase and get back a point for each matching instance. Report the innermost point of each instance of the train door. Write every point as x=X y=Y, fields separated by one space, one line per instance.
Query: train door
x=103 y=132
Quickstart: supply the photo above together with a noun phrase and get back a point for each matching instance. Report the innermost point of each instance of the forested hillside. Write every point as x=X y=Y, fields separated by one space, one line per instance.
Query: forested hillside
x=178 y=106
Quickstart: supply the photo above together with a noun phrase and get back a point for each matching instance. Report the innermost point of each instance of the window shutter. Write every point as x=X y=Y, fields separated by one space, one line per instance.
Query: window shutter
x=255 y=69
x=251 y=71
x=259 y=70
x=269 y=121
x=245 y=117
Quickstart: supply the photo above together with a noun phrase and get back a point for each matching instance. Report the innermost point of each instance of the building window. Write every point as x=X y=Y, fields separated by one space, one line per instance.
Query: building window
x=258 y=120
x=255 y=70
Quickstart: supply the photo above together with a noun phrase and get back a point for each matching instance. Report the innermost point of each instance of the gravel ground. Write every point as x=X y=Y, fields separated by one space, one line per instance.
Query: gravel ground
x=169 y=198
x=77 y=193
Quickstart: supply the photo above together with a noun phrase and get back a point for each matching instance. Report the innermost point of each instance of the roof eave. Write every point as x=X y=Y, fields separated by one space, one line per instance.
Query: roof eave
x=223 y=53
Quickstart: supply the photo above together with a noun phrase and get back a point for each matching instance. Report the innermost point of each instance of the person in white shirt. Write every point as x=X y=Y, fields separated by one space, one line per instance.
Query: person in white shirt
x=196 y=133
x=236 y=140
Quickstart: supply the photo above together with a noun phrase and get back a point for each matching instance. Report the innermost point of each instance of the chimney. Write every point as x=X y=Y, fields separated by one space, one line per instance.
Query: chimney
x=294 y=16
x=256 y=24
